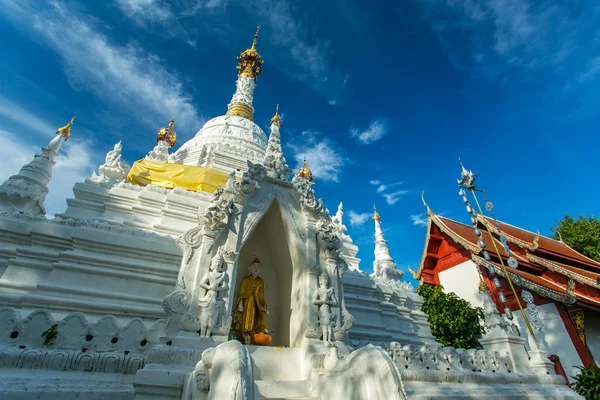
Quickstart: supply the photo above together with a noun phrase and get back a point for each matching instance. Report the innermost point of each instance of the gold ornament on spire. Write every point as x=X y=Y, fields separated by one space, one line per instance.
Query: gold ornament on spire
x=376 y=216
x=249 y=61
x=276 y=119
x=167 y=133
x=65 y=131
x=305 y=172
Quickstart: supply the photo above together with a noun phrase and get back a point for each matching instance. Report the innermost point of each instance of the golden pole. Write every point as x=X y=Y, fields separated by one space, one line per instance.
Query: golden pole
x=504 y=267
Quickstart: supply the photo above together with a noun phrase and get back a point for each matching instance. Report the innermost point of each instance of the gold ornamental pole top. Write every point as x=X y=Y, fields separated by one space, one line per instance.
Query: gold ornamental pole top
x=376 y=216
x=249 y=61
x=276 y=118
x=65 y=131
x=305 y=172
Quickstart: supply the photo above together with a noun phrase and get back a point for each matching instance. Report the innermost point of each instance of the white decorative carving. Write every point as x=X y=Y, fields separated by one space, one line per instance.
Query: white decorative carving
x=178 y=157
x=160 y=152
x=532 y=311
x=325 y=299
x=229 y=371
x=216 y=215
x=306 y=195
x=113 y=170
x=210 y=304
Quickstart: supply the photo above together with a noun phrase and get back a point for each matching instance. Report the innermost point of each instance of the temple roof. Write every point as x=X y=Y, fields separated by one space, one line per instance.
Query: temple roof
x=549 y=267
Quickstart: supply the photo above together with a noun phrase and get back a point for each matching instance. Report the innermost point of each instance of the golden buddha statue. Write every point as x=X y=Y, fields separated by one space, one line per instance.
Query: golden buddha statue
x=250 y=306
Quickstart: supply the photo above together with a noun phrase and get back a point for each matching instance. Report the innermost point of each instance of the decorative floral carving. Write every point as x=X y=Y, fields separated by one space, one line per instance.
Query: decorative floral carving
x=216 y=215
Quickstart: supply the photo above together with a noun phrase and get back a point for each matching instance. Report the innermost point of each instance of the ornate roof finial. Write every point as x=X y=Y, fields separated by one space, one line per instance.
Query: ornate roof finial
x=467 y=178
x=276 y=118
x=376 y=216
x=305 y=172
x=167 y=133
x=249 y=61
x=65 y=131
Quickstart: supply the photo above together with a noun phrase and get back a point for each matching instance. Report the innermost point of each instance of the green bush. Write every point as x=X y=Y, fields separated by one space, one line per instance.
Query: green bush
x=587 y=382
x=453 y=321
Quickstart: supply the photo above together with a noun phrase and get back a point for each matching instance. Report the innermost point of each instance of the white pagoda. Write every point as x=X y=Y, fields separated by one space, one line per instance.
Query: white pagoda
x=208 y=273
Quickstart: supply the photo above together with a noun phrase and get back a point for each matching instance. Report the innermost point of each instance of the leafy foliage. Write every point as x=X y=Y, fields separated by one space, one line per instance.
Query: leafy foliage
x=453 y=321
x=50 y=335
x=582 y=234
x=587 y=382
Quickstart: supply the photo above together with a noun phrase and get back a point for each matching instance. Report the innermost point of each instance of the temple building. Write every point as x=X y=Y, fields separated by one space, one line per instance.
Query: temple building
x=558 y=287
x=215 y=272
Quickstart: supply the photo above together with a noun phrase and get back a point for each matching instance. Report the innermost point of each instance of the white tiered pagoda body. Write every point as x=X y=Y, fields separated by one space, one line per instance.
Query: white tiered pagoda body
x=105 y=300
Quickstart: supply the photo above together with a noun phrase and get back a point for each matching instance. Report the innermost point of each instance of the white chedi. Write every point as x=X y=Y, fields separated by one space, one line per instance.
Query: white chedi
x=114 y=169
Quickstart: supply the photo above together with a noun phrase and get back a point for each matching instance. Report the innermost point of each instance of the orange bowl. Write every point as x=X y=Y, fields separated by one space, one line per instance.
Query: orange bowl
x=261 y=339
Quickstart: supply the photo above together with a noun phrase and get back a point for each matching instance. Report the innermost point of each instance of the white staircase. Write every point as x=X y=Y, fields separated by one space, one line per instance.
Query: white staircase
x=278 y=374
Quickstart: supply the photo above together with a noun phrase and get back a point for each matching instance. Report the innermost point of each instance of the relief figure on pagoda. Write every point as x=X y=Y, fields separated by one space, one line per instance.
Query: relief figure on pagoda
x=114 y=169
x=325 y=299
x=210 y=304
x=250 y=307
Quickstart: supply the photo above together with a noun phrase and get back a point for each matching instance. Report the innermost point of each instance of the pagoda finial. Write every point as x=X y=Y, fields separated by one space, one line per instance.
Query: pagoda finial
x=376 y=216
x=305 y=172
x=276 y=118
x=65 y=131
x=167 y=133
x=255 y=37
x=249 y=61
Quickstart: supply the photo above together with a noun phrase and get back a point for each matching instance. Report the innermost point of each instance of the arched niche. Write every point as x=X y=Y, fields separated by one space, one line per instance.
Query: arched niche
x=270 y=243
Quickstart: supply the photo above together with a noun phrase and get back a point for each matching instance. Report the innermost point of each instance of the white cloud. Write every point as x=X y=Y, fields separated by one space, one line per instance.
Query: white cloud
x=357 y=219
x=419 y=219
x=392 y=198
x=17 y=114
x=76 y=162
x=332 y=102
x=126 y=75
x=591 y=71
x=384 y=189
x=501 y=35
x=322 y=157
x=376 y=131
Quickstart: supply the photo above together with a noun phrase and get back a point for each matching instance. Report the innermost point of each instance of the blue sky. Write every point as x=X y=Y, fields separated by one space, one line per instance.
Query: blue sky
x=382 y=98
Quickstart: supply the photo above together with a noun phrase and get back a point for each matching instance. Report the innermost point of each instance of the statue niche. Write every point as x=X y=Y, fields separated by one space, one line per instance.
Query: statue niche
x=251 y=308
x=210 y=304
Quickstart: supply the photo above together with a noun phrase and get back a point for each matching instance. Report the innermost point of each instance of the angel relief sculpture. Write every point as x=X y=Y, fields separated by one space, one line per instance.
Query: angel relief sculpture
x=210 y=304
x=325 y=299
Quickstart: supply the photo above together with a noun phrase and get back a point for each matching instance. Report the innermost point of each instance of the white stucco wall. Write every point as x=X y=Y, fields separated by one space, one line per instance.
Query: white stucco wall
x=463 y=280
x=592 y=333
x=554 y=337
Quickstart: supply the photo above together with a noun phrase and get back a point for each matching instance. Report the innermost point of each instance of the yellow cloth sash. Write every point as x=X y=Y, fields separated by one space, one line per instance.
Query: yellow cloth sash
x=170 y=176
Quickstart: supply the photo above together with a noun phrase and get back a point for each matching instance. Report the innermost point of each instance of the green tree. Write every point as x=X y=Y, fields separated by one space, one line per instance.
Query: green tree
x=582 y=234
x=453 y=321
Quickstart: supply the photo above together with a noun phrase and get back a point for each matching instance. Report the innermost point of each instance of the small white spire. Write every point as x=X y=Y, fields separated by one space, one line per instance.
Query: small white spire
x=384 y=263
x=274 y=160
x=27 y=191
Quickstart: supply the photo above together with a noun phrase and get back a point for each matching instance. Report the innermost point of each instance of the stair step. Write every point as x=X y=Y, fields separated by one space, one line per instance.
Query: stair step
x=297 y=390
x=276 y=363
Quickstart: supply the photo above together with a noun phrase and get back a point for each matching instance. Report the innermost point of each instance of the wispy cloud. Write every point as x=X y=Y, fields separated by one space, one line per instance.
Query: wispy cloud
x=591 y=71
x=24 y=117
x=495 y=37
x=376 y=131
x=322 y=156
x=387 y=190
x=419 y=219
x=125 y=75
x=358 y=219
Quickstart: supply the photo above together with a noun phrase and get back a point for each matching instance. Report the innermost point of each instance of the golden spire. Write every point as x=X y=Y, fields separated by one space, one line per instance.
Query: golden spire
x=305 y=172
x=276 y=118
x=168 y=133
x=482 y=286
x=65 y=131
x=249 y=61
x=376 y=216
